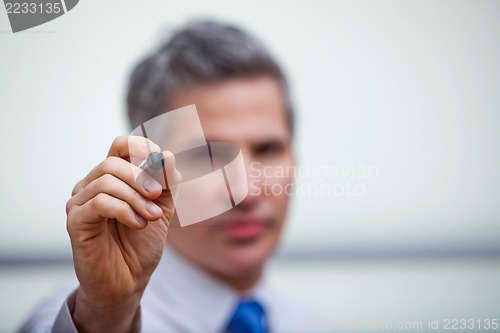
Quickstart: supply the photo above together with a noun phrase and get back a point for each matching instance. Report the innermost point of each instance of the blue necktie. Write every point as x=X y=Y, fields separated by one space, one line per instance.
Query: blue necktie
x=248 y=317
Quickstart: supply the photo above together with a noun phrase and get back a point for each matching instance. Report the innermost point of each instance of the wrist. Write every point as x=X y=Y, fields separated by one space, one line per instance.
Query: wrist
x=108 y=317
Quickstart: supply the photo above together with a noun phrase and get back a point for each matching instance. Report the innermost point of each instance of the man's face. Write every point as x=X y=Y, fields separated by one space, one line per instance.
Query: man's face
x=250 y=113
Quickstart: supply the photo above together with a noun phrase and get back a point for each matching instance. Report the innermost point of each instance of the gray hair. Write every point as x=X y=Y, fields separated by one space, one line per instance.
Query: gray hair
x=203 y=52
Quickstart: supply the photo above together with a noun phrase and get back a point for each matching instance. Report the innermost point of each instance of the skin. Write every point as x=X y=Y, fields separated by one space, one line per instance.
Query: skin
x=116 y=249
x=251 y=114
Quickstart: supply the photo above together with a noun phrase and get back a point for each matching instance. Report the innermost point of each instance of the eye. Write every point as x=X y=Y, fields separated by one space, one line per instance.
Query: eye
x=269 y=148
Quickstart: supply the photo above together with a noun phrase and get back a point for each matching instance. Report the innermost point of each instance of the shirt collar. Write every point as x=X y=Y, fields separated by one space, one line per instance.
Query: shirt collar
x=193 y=292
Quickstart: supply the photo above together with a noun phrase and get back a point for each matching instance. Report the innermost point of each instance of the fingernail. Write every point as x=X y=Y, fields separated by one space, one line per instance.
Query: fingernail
x=151 y=186
x=153 y=209
x=141 y=220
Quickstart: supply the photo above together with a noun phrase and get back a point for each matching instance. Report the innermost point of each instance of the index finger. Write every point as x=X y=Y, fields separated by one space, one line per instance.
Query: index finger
x=137 y=147
x=129 y=148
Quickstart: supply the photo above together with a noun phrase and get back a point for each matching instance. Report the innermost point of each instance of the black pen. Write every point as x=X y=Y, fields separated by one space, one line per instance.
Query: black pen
x=153 y=164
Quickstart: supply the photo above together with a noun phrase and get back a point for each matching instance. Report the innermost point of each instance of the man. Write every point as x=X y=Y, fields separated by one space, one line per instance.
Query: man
x=210 y=277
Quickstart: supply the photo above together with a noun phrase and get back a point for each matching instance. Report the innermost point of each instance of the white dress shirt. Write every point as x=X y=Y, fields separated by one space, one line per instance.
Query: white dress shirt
x=181 y=298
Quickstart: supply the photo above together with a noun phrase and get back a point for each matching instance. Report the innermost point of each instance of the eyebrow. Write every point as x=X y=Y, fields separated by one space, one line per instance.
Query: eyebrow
x=271 y=138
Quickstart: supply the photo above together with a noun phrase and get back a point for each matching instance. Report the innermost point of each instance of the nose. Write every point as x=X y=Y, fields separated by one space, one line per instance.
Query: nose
x=253 y=183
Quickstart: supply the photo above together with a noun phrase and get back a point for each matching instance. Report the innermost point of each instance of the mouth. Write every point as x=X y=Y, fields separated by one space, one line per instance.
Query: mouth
x=244 y=230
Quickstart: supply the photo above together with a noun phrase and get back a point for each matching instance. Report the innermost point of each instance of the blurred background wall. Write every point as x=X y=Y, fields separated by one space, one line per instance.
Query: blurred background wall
x=396 y=214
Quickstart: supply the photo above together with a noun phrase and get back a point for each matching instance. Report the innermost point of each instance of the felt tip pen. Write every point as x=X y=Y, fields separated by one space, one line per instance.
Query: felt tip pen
x=153 y=164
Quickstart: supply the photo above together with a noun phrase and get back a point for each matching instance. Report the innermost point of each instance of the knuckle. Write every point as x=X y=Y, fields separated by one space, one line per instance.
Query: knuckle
x=71 y=220
x=107 y=165
x=123 y=211
x=133 y=196
x=69 y=206
x=71 y=216
x=76 y=189
x=104 y=182
x=99 y=201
